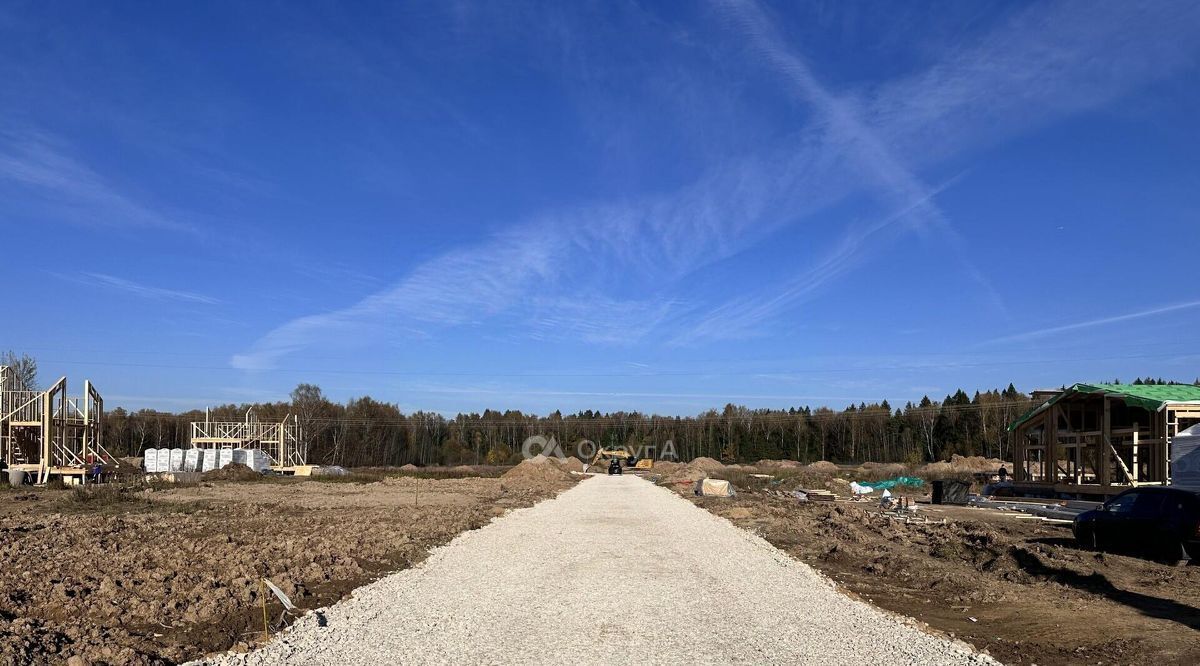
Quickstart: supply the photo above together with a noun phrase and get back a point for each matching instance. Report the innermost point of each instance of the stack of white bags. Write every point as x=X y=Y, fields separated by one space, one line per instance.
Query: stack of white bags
x=203 y=460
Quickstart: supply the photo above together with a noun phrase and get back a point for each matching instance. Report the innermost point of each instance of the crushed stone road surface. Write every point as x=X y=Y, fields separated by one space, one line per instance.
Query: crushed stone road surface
x=615 y=570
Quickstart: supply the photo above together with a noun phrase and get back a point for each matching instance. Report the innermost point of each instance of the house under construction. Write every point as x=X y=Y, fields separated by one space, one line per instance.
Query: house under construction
x=1100 y=439
x=282 y=440
x=50 y=434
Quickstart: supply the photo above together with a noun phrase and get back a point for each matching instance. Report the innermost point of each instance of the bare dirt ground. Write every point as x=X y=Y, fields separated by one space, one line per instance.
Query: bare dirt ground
x=1018 y=588
x=161 y=576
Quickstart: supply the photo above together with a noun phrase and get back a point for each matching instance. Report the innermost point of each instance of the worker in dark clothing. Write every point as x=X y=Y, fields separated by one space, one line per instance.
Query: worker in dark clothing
x=1003 y=474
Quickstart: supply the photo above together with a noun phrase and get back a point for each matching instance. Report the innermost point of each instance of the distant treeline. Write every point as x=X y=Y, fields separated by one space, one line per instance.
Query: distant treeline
x=366 y=432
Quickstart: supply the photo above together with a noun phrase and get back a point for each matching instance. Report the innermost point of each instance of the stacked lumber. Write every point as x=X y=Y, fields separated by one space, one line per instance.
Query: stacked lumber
x=819 y=495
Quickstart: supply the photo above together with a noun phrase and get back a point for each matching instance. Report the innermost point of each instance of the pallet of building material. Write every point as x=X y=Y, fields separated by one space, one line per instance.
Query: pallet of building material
x=208 y=461
x=150 y=460
x=193 y=460
x=164 y=460
x=819 y=495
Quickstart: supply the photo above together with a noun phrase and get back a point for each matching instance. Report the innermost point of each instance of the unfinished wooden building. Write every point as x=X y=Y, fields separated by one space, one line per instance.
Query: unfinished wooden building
x=1100 y=439
x=49 y=433
x=282 y=441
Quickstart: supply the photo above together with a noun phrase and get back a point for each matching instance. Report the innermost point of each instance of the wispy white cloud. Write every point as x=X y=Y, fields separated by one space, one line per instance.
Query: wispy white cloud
x=1046 y=63
x=1093 y=323
x=596 y=318
x=867 y=150
x=1042 y=65
x=75 y=191
x=456 y=288
x=741 y=318
x=141 y=290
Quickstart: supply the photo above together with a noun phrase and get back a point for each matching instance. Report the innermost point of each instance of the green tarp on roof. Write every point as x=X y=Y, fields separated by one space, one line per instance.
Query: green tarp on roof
x=1147 y=396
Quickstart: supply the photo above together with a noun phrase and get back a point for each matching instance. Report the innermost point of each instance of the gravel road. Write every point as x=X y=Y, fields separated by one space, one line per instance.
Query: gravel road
x=615 y=570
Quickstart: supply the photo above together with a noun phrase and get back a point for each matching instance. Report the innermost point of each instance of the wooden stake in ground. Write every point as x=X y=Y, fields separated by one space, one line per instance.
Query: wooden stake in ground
x=262 y=592
x=417 y=490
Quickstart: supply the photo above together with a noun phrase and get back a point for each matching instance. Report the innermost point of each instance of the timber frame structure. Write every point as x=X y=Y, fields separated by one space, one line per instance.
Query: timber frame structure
x=282 y=441
x=1101 y=439
x=48 y=433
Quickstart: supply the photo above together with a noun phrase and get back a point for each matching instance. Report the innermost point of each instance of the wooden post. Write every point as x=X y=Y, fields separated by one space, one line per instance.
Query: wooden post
x=1020 y=441
x=262 y=593
x=47 y=435
x=1135 y=452
x=1103 y=455
x=87 y=428
x=1050 y=450
x=1172 y=430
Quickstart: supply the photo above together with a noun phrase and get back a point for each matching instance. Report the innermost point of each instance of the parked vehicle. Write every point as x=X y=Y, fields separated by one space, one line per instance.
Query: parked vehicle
x=1161 y=522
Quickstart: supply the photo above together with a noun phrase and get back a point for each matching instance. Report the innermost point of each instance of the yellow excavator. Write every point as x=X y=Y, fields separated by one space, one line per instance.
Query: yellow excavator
x=624 y=458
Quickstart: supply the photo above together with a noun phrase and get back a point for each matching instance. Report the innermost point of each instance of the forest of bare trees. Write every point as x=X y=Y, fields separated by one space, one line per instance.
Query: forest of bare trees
x=366 y=432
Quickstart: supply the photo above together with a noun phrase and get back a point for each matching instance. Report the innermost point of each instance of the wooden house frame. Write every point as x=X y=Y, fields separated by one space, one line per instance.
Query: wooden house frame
x=282 y=441
x=49 y=433
x=1100 y=439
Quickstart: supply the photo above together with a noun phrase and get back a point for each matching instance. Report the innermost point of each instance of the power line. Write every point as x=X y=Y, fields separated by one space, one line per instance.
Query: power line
x=639 y=374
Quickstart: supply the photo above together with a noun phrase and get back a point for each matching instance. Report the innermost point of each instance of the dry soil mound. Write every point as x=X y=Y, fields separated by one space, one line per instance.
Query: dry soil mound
x=538 y=471
x=872 y=471
x=683 y=478
x=707 y=464
x=824 y=467
x=959 y=465
x=571 y=464
x=232 y=472
x=777 y=464
x=409 y=468
x=666 y=467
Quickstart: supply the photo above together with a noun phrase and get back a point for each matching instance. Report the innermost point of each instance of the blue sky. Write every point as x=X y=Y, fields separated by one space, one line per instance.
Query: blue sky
x=612 y=205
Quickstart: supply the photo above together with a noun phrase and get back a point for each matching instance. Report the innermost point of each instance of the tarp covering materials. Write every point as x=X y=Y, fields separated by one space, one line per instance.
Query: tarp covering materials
x=714 y=488
x=892 y=483
x=1185 y=459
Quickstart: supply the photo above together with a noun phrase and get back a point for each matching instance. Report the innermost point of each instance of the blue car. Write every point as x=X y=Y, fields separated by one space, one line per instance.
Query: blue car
x=1160 y=522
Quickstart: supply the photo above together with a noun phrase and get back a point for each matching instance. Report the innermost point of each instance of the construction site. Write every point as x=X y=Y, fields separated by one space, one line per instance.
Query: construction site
x=1101 y=439
x=50 y=434
x=281 y=552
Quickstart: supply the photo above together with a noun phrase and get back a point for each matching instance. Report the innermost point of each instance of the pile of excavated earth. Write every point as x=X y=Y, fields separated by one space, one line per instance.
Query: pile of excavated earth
x=545 y=471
